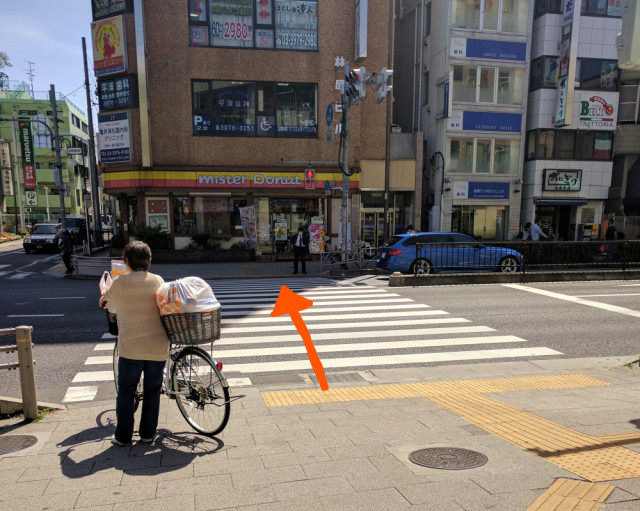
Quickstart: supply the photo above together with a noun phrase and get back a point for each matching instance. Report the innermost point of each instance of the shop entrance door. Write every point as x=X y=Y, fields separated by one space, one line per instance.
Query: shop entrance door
x=372 y=227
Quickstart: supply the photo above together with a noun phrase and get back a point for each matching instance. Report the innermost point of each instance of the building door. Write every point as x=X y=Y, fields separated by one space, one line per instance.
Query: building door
x=372 y=226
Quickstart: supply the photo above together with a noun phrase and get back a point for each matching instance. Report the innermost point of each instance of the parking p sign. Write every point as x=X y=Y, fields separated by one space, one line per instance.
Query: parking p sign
x=31 y=197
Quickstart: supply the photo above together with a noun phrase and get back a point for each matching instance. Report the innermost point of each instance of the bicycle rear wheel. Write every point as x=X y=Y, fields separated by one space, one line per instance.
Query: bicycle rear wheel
x=138 y=395
x=201 y=391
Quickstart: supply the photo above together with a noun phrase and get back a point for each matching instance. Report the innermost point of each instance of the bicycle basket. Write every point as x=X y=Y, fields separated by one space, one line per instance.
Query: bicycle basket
x=193 y=327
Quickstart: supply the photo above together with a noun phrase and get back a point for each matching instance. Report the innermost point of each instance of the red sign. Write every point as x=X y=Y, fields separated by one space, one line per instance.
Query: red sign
x=29 y=177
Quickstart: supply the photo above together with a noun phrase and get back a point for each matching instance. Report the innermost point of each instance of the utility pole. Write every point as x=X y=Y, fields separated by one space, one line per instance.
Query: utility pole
x=387 y=152
x=97 y=224
x=16 y=175
x=56 y=141
x=346 y=101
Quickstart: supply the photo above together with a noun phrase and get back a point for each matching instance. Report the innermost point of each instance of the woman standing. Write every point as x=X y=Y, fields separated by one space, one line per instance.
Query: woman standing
x=143 y=345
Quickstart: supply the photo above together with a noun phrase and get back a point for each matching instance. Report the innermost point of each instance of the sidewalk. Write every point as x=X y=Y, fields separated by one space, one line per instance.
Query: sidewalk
x=557 y=434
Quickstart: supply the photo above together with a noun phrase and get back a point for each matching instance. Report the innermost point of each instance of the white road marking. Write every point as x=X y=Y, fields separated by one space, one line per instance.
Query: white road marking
x=313 y=310
x=575 y=299
x=99 y=360
x=75 y=394
x=4 y=273
x=307 y=294
x=250 y=299
x=35 y=315
x=333 y=317
x=386 y=360
x=4 y=265
x=355 y=335
x=92 y=376
x=104 y=346
x=618 y=294
x=19 y=276
x=318 y=305
x=345 y=326
x=239 y=382
x=64 y=298
x=337 y=348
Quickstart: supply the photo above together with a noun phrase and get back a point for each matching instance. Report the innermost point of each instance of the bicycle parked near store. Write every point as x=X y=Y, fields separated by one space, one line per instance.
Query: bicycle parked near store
x=193 y=378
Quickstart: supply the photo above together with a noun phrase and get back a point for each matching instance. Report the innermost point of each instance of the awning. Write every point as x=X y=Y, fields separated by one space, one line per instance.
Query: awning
x=561 y=202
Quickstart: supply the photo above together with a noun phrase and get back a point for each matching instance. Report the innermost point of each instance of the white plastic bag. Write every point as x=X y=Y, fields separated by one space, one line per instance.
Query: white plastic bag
x=105 y=284
x=118 y=268
x=190 y=294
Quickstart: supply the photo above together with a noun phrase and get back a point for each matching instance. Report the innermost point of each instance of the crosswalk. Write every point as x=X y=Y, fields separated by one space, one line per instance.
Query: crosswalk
x=7 y=273
x=354 y=328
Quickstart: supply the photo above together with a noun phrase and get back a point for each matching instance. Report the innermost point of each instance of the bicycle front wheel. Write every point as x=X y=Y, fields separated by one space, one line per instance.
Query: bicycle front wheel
x=201 y=396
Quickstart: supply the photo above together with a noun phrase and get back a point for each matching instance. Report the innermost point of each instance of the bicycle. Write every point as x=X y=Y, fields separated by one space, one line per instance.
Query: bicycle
x=193 y=378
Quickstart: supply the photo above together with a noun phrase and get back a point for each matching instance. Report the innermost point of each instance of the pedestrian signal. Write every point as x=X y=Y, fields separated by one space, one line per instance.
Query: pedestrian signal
x=310 y=179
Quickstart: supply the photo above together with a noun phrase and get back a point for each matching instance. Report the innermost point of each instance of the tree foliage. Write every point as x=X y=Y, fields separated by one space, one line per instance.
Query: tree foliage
x=4 y=60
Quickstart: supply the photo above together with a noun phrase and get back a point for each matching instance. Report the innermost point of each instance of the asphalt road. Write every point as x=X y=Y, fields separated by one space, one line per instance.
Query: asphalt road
x=582 y=319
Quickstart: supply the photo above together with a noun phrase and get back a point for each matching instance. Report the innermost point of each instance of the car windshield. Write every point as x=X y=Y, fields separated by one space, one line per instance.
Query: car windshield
x=392 y=241
x=44 y=229
x=73 y=222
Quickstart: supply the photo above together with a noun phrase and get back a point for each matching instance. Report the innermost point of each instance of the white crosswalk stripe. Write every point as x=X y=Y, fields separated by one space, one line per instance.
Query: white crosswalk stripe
x=356 y=328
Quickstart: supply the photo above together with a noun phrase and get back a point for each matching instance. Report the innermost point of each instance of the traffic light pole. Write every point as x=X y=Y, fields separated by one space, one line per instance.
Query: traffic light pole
x=345 y=169
x=52 y=98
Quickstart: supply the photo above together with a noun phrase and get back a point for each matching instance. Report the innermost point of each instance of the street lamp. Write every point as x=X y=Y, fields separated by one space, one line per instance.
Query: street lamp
x=46 y=191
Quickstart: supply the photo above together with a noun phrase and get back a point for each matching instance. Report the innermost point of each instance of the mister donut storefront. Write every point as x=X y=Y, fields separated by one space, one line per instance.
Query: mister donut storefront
x=186 y=203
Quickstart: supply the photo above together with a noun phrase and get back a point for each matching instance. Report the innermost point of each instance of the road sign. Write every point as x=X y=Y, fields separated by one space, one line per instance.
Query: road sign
x=74 y=150
x=31 y=198
x=329 y=114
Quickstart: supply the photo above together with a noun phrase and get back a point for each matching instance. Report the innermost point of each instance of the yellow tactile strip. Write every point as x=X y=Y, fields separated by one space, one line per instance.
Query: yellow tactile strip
x=566 y=494
x=592 y=458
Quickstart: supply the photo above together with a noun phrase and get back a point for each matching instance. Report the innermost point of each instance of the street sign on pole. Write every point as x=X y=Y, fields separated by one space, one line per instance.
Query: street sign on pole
x=74 y=150
x=31 y=198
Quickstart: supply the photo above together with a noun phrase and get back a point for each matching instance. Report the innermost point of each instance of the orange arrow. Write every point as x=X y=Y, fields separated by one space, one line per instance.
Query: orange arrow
x=291 y=303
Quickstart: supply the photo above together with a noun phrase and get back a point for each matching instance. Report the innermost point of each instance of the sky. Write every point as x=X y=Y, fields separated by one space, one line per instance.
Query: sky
x=48 y=33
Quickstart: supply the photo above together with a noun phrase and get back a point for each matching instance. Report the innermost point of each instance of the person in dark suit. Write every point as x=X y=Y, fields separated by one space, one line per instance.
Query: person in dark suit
x=300 y=244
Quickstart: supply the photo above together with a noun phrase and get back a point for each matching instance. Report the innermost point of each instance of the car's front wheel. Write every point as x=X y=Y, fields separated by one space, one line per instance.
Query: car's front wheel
x=421 y=267
x=27 y=250
x=508 y=264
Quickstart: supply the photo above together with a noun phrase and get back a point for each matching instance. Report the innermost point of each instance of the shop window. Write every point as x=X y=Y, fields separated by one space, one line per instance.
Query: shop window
x=296 y=109
x=427 y=22
x=543 y=73
x=464 y=83
x=460 y=157
x=584 y=145
x=487 y=80
x=483 y=156
x=565 y=144
x=268 y=24
x=514 y=14
x=507 y=157
x=466 y=14
x=531 y=145
x=183 y=215
x=597 y=74
x=547 y=7
x=610 y=8
x=234 y=108
x=471 y=84
x=546 y=142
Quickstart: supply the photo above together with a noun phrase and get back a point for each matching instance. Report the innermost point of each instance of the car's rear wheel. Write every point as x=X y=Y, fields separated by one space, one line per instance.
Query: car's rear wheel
x=508 y=264
x=421 y=267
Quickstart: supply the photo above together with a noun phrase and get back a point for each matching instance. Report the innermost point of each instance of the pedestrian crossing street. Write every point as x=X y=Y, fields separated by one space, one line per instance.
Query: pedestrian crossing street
x=353 y=327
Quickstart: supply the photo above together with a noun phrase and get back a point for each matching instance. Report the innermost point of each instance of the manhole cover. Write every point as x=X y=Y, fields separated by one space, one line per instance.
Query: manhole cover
x=448 y=458
x=13 y=443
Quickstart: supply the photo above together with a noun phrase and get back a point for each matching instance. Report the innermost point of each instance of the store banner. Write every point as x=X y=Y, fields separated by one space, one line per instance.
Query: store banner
x=5 y=166
x=114 y=138
x=28 y=158
x=480 y=190
x=488 y=49
x=109 y=46
x=316 y=235
x=598 y=111
x=485 y=121
x=566 y=73
x=248 y=220
x=280 y=228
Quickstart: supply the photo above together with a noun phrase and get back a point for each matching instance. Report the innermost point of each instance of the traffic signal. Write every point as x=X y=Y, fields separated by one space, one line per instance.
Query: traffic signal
x=382 y=82
x=310 y=179
x=355 y=84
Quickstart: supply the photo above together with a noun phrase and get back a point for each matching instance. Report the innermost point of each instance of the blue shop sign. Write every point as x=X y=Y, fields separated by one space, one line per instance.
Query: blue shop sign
x=499 y=50
x=479 y=190
x=492 y=121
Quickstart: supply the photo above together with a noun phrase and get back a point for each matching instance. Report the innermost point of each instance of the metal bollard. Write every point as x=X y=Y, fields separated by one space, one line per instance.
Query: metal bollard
x=27 y=375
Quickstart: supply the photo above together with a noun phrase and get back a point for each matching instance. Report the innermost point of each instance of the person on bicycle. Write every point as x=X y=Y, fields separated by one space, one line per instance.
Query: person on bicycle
x=143 y=344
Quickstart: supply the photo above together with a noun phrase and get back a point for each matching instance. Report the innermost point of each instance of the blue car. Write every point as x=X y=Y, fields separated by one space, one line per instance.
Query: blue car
x=444 y=251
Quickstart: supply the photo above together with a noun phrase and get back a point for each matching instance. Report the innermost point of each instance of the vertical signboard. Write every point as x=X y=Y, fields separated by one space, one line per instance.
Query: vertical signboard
x=361 y=23
x=5 y=167
x=28 y=159
x=564 y=102
x=109 y=46
x=114 y=138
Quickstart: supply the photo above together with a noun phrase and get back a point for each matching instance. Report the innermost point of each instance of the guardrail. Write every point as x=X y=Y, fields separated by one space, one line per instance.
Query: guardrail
x=80 y=262
x=25 y=365
x=523 y=256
